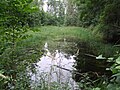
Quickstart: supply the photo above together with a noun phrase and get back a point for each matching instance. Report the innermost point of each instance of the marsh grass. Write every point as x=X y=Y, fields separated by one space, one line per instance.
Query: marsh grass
x=54 y=35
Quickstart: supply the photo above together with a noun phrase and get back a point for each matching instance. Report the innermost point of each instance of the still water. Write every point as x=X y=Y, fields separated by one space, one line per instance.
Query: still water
x=68 y=64
x=54 y=66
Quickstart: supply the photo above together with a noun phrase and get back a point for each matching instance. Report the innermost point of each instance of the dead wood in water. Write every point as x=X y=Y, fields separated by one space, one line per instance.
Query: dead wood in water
x=75 y=72
x=91 y=55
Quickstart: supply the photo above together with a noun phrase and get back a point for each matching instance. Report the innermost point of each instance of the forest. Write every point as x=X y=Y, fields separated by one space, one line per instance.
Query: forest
x=75 y=42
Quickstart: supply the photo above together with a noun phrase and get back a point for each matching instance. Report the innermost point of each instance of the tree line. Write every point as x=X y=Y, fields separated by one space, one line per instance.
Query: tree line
x=102 y=16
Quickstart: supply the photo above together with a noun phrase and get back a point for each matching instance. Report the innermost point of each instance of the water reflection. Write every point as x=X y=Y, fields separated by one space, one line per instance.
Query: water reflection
x=54 y=67
x=57 y=66
x=91 y=66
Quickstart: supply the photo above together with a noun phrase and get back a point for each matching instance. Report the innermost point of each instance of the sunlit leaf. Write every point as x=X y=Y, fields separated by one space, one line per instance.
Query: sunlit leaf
x=1 y=75
x=107 y=68
x=110 y=58
x=96 y=88
x=118 y=74
x=114 y=70
x=1 y=71
x=117 y=67
x=118 y=60
x=100 y=57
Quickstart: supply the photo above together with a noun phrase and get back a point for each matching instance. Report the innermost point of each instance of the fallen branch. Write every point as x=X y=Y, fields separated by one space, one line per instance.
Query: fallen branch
x=91 y=55
x=75 y=72
x=63 y=68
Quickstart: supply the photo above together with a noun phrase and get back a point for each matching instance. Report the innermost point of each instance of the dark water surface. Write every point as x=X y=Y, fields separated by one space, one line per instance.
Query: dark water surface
x=56 y=66
x=69 y=63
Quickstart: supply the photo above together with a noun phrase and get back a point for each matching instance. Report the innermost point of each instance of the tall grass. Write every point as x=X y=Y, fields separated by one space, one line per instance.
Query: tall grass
x=52 y=34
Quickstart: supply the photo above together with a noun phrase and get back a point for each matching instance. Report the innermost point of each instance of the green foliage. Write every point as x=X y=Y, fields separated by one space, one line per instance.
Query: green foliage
x=55 y=13
x=115 y=68
x=89 y=11
x=48 y=19
x=14 y=23
x=110 y=18
x=72 y=14
x=104 y=13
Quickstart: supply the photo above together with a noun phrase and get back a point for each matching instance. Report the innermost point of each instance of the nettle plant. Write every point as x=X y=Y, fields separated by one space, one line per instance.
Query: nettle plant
x=115 y=68
x=14 y=21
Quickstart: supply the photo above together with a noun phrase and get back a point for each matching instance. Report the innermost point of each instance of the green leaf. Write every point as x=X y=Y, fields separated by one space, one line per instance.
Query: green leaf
x=111 y=87
x=118 y=60
x=117 y=67
x=114 y=70
x=100 y=57
x=118 y=74
x=96 y=88
x=1 y=71
x=111 y=58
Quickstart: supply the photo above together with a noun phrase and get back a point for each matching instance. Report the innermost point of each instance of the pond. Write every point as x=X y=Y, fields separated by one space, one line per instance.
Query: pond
x=66 y=64
x=55 y=66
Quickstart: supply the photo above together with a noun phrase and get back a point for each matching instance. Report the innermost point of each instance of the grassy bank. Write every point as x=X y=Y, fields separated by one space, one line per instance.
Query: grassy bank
x=53 y=34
